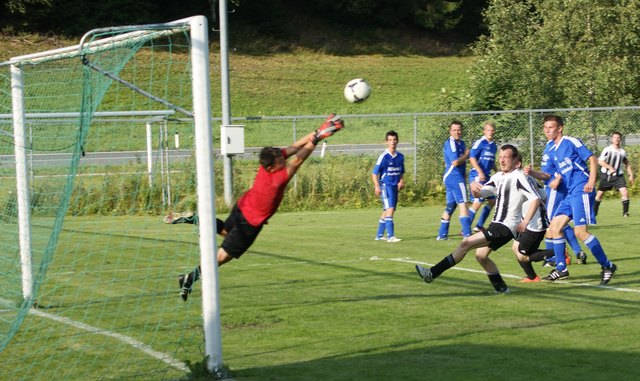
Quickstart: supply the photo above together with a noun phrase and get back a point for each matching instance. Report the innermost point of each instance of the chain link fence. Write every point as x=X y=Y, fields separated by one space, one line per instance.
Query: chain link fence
x=120 y=151
x=422 y=135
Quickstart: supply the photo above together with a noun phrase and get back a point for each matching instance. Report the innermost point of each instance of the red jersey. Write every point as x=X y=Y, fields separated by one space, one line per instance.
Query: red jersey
x=260 y=202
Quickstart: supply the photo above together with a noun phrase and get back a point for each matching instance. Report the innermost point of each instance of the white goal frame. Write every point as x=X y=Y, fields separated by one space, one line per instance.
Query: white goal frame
x=201 y=113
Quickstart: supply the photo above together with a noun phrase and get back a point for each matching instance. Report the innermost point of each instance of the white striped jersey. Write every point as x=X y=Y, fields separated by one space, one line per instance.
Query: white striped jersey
x=539 y=222
x=615 y=157
x=511 y=189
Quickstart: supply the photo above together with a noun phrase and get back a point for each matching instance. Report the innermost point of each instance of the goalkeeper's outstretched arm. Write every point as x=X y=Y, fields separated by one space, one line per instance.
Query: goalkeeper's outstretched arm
x=303 y=148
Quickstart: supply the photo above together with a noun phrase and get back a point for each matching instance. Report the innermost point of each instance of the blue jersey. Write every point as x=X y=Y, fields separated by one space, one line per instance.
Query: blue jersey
x=389 y=168
x=569 y=159
x=547 y=166
x=484 y=152
x=453 y=149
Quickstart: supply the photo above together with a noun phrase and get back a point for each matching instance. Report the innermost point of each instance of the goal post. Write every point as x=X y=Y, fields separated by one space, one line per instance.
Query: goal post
x=80 y=80
x=206 y=200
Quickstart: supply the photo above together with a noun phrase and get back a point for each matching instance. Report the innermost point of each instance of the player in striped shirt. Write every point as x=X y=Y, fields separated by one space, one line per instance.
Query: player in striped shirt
x=512 y=189
x=388 y=179
x=454 y=179
x=575 y=165
x=613 y=162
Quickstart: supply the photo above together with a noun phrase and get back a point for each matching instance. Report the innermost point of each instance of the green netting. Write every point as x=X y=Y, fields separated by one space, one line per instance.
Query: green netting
x=105 y=302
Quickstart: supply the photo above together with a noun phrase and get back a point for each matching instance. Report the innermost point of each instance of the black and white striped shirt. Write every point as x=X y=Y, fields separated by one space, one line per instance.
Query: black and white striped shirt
x=511 y=190
x=615 y=157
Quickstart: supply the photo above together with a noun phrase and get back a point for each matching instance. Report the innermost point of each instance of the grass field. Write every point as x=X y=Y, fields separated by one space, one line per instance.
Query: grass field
x=317 y=299
x=305 y=82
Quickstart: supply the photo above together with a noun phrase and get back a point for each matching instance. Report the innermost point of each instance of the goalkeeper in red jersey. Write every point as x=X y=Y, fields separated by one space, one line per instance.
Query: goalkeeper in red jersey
x=254 y=208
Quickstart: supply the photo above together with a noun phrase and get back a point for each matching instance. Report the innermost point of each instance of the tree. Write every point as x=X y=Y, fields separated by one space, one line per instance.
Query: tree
x=557 y=53
x=20 y=6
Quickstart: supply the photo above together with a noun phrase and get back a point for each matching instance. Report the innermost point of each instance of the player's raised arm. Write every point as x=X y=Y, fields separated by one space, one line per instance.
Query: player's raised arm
x=305 y=146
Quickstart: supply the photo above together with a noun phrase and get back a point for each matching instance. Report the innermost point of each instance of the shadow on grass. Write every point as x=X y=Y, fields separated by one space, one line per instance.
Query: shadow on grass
x=434 y=361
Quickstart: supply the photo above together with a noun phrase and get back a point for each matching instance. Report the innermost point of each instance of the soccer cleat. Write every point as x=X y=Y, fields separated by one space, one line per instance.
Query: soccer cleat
x=424 y=273
x=607 y=273
x=528 y=280
x=503 y=290
x=549 y=263
x=625 y=214
x=476 y=229
x=380 y=239
x=393 y=239
x=442 y=238
x=581 y=258
x=555 y=275
x=185 y=286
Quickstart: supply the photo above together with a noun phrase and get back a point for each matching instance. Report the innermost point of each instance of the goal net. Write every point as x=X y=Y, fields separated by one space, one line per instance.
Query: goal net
x=89 y=164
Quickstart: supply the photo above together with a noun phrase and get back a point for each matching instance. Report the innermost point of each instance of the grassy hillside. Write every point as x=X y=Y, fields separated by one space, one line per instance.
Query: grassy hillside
x=297 y=81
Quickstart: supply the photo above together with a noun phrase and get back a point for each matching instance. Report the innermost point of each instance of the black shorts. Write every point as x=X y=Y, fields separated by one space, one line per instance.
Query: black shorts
x=608 y=182
x=497 y=235
x=240 y=233
x=529 y=241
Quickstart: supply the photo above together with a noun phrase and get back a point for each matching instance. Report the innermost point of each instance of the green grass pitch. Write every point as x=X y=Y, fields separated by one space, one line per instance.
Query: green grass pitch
x=316 y=298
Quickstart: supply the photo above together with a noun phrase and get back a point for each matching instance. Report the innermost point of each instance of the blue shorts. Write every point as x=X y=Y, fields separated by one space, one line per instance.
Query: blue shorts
x=389 y=196
x=579 y=208
x=456 y=193
x=554 y=198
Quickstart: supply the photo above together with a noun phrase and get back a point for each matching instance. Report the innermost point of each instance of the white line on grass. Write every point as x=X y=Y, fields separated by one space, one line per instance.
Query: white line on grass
x=125 y=339
x=405 y=260
x=177 y=364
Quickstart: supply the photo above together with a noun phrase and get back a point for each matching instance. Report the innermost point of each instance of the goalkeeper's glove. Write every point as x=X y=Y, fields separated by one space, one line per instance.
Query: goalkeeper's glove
x=330 y=126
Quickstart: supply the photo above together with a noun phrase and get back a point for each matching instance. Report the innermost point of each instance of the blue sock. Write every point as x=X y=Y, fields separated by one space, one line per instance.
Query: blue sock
x=381 y=226
x=548 y=243
x=484 y=214
x=472 y=215
x=559 y=246
x=444 y=228
x=570 y=236
x=465 y=221
x=596 y=249
x=388 y=221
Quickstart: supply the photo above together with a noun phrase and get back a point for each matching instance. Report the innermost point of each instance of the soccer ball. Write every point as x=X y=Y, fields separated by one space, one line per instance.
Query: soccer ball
x=357 y=90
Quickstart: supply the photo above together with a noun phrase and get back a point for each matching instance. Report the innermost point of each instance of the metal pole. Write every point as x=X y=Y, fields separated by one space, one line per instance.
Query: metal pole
x=531 y=138
x=415 y=149
x=149 y=154
x=226 y=103
x=165 y=126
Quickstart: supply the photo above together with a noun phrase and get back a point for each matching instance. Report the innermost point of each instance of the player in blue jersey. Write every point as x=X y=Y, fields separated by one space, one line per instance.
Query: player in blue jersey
x=482 y=157
x=454 y=179
x=575 y=165
x=556 y=191
x=388 y=179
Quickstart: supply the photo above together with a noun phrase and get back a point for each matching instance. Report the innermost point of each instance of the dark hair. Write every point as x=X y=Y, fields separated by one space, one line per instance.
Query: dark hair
x=515 y=154
x=617 y=133
x=554 y=118
x=391 y=133
x=268 y=156
x=456 y=122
